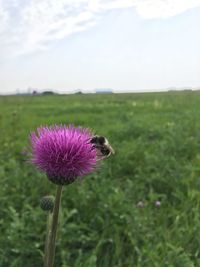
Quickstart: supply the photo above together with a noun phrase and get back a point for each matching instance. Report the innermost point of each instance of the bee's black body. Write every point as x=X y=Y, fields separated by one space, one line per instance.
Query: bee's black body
x=101 y=143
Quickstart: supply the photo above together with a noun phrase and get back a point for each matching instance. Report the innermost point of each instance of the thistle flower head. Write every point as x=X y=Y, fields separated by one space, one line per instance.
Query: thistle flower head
x=157 y=204
x=63 y=152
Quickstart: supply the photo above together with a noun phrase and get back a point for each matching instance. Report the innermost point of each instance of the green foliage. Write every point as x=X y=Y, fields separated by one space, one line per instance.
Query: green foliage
x=157 y=142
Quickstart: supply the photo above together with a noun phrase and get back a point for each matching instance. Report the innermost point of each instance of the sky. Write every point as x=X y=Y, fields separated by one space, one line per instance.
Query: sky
x=126 y=45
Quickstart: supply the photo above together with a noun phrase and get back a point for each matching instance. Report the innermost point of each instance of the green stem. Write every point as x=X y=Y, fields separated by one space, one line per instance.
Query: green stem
x=53 y=228
x=49 y=217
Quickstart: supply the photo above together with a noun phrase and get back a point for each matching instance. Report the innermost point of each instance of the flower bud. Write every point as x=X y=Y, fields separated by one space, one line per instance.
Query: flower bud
x=47 y=203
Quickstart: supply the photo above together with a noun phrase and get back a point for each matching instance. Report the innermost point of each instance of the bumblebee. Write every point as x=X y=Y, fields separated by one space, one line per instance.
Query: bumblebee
x=102 y=145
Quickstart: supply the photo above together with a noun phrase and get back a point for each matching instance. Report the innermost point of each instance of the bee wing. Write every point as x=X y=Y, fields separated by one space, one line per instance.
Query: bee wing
x=107 y=144
x=111 y=149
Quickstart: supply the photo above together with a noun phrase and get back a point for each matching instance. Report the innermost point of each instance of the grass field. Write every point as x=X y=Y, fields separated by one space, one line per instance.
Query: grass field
x=157 y=141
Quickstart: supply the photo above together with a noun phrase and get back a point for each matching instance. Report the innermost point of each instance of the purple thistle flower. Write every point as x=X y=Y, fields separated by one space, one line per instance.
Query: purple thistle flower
x=63 y=152
x=157 y=203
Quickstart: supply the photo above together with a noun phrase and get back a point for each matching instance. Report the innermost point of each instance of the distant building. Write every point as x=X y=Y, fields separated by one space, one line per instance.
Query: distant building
x=48 y=93
x=34 y=92
x=103 y=91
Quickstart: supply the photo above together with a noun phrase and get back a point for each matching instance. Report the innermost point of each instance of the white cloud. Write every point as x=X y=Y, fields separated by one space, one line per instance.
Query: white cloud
x=163 y=8
x=52 y=20
x=40 y=22
x=27 y=26
x=152 y=8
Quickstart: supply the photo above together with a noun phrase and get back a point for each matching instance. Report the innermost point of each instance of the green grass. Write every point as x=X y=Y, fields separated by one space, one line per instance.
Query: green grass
x=157 y=141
